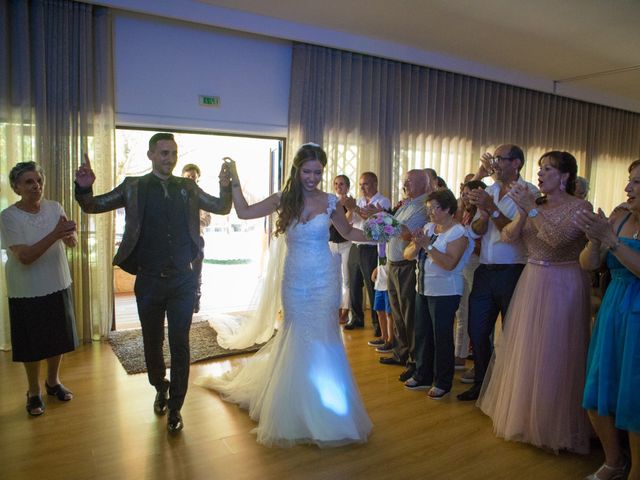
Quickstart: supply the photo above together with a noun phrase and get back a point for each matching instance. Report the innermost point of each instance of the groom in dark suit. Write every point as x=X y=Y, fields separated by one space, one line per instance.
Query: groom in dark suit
x=161 y=240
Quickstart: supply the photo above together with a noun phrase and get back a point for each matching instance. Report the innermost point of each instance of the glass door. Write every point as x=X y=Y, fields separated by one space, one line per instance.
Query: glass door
x=234 y=248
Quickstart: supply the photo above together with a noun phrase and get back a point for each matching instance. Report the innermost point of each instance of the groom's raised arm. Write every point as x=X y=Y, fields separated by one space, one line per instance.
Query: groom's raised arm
x=84 y=179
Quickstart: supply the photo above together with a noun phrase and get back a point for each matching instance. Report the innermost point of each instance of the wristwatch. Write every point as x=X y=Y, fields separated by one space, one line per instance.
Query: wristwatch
x=533 y=213
x=495 y=213
x=429 y=247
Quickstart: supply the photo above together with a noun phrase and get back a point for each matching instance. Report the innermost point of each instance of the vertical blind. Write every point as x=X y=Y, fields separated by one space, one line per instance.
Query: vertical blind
x=386 y=116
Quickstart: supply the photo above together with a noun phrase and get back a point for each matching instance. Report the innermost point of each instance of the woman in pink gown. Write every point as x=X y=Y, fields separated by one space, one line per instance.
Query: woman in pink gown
x=533 y=389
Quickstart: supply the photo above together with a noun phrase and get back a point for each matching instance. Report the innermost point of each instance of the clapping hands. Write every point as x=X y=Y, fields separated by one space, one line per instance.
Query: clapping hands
x=65 y=230
x=419 y=238
x=348 y=202
x=522 y=196
x=482 y=200
x=596 y=226
x=368 y=210
x=64 y=227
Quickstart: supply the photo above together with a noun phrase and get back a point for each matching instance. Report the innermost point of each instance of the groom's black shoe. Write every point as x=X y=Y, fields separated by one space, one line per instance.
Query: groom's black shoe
x=350 y=325
x=162 y=397
x=174 y=421
x=472 y=394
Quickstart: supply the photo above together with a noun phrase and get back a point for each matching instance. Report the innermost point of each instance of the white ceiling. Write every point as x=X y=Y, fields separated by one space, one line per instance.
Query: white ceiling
x=591 y=44
x=585 y=49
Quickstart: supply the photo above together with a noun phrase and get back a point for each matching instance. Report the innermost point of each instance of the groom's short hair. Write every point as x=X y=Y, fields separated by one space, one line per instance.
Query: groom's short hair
x=158 y=137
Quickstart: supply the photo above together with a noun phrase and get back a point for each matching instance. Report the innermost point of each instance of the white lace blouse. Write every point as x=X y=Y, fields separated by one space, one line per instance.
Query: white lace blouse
x=49 y=273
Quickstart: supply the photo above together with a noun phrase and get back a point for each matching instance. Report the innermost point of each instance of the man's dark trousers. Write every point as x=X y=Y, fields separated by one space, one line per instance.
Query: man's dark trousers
x=493 y=287
x=363 y=259
x=174 y=296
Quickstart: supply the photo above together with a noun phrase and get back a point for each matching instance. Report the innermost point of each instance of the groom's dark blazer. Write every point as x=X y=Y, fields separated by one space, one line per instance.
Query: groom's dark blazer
x=132 y=194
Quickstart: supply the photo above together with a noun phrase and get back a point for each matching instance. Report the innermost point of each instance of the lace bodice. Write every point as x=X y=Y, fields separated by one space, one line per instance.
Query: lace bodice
x=314 y=233
x=309 y=266
x=556 y=239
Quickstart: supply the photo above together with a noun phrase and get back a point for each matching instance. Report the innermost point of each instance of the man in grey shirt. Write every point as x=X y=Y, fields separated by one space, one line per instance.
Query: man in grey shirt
x=412 y=214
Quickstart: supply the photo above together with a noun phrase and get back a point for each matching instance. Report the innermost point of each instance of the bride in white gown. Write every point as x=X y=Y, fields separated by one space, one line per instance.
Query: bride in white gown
x=299 y=386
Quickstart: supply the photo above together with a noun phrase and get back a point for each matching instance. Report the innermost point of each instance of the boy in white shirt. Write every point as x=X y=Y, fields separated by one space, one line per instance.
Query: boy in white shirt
x=381 y=303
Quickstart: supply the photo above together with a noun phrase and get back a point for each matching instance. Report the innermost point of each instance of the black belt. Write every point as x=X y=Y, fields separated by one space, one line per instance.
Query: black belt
x=401 y=263
x=166 y=273
x=500 y=266
x=364 y=245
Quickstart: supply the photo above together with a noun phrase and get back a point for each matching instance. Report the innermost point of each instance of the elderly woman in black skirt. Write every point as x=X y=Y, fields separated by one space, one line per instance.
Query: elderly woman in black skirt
x=34 y=231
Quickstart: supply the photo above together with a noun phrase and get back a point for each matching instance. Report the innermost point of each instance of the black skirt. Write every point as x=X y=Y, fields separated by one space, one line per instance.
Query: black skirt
x=42 y=327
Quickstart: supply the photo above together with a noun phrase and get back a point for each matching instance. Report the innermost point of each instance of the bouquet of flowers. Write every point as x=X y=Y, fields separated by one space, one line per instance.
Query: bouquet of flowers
x=380 y=227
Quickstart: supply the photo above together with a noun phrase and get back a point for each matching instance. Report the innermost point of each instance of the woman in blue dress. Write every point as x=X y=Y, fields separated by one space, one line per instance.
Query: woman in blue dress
x=612 y=386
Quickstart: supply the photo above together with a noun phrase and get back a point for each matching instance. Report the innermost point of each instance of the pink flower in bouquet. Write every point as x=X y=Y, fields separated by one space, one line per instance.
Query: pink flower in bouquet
x=381 y=227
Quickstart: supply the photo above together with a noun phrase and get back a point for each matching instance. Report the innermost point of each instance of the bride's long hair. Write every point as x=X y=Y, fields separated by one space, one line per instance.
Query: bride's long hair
x=292 y=201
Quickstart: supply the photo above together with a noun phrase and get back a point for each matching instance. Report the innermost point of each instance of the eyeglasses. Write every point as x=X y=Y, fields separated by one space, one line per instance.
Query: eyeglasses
x=433 y=208
x=499 y=159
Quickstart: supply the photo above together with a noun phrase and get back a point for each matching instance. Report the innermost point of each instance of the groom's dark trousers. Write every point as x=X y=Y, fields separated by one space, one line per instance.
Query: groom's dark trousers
x=174 y=295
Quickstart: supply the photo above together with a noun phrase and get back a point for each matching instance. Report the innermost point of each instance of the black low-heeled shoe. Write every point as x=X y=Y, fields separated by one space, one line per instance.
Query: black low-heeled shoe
x=34 y=403
x=174 y=421
x=60 y=391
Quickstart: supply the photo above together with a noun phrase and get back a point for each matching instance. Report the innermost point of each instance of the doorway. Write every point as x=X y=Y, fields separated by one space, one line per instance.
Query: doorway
x=234 y=248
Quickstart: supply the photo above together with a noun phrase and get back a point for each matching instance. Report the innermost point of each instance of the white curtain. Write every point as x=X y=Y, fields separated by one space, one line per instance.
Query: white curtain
x=389 y=117
x=56 y=102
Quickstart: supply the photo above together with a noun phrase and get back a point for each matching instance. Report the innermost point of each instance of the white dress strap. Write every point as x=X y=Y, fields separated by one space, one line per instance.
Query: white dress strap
x=332 y=201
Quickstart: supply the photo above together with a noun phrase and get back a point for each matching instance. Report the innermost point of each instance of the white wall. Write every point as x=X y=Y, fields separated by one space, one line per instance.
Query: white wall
x=162 y=66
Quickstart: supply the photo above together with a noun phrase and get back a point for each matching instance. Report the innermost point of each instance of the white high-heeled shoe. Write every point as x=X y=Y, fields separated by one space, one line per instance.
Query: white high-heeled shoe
x=609 y=473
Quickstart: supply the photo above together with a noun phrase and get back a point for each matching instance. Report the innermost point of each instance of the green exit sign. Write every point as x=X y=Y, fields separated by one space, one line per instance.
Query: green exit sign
x=209 y=101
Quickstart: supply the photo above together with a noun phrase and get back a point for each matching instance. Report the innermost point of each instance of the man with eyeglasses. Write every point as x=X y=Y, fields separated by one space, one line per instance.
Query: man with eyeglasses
x=501 y=263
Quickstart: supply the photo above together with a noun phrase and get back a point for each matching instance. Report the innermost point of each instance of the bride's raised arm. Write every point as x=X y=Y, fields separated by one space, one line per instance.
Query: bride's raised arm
x=243 y=209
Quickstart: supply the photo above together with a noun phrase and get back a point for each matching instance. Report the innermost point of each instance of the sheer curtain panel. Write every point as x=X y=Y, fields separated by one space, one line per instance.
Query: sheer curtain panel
x=56 y=102
x=389 y=117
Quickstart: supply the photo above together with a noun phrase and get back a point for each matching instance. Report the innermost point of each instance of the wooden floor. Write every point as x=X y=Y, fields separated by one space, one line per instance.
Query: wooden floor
x=109 y=431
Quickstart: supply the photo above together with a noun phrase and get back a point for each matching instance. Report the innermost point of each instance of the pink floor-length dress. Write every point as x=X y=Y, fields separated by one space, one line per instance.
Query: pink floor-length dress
x=534 y=386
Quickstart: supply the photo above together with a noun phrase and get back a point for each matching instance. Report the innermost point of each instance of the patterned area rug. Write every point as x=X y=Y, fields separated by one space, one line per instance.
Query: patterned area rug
x=127 y=345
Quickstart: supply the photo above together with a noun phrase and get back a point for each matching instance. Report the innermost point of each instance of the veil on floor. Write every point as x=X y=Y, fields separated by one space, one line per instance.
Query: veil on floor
x=243 y=331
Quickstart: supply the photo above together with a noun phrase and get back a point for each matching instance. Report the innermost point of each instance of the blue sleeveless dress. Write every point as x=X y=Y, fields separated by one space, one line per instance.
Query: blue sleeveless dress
x=612 y=385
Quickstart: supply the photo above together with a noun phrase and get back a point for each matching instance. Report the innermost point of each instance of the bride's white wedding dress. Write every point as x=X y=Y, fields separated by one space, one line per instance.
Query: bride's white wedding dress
x=299 y=386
